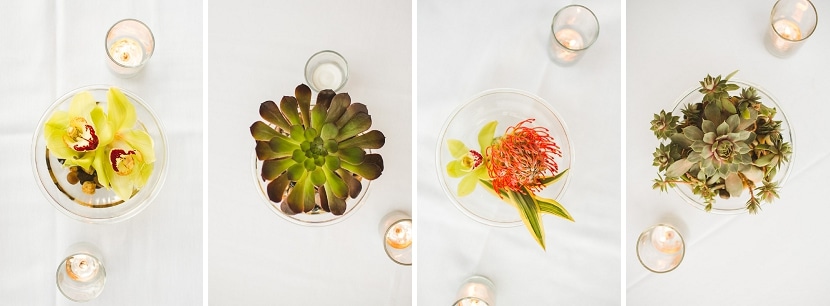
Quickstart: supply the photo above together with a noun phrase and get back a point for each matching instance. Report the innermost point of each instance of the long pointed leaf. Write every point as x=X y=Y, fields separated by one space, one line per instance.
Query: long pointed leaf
x=553 y=179
x=373 y=139
x=262 y=131
x=359 y=123
x=351 y=111
x=303 y=94
x=269 y=111
x=289 y=108
x=529 y=211
x=339 y=104
x=553 y=207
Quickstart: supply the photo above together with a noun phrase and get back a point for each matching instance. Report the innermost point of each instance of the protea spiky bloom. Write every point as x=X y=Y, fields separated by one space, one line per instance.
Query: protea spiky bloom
x=315 y=157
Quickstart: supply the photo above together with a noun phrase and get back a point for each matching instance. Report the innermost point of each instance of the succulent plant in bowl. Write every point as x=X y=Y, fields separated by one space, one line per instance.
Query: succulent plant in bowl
x=725 y=146
x=314 y=158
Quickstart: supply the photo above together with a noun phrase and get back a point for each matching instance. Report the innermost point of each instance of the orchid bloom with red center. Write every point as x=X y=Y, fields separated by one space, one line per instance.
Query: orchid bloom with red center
x=521 y=158
x=469 y=164
x=75 y=135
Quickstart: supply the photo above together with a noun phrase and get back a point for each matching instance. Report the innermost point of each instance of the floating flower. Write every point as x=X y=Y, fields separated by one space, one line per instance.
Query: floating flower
x=469 y=164
x=521 y=158
x=75 y=135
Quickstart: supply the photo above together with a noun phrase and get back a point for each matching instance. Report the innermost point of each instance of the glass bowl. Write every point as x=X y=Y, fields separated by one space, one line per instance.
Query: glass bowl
x=316 y=217
x=736 y=205
x=104 y=206
x=508 y=107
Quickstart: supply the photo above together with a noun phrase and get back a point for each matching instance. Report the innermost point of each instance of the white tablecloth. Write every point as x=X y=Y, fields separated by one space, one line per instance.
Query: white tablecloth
x=776 y=257
x=465 y=47
x=257 y=51
x=52 y=47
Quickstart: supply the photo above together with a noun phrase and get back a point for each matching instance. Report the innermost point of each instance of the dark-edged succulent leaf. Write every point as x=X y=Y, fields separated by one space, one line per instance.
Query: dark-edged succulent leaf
x=262 y=131
x=303 y=96
x=318 y=117
x=328 y=131
x=289 y=108
x=269 y=111
x=338 y=107
x=371 y=168
x=529 y=211
x=322 y=193
x=283 y=146
x=276 y=188
x=354 y=184
x=358 y=124
x=274 y=167
x=373 y=139
x=337 y=206
x=551 y=206
x=324 y=98
x=264 y=152
x=336 y=184
x=351 y=111
x=353 y=155
x=374 y=158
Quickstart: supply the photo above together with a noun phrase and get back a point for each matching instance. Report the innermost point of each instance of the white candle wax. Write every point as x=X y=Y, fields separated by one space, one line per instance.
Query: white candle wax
x=399 y=235
x=127 y=52
x=327 y=76
x=82 y=267
x=569 y=43
x=666 y=240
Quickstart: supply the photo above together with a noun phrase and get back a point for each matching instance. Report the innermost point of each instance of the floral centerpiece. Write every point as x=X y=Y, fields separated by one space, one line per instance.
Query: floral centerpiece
x=513 y=167
x=725 y=146
x=315 y=157
x=101 y=148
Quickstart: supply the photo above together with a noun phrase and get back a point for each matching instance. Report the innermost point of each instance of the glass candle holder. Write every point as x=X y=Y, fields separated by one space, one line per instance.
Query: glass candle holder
x=326 y=70
x=791 y=23
x=573 y=30
x=129 y=45
x=81 y=275
x=396 y=233
x=660 y=248
x=476 y=291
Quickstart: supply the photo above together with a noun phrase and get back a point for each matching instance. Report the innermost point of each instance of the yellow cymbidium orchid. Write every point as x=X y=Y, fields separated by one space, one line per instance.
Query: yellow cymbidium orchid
x=76 y=134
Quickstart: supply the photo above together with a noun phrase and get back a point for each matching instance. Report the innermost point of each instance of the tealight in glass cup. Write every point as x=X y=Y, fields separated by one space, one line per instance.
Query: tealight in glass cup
x=660 y=248
x=573 y=30
x=129 y=45
x=326 y=70
x=81 y=275
x=476 y=291
x=396 y=233
x=791 y=23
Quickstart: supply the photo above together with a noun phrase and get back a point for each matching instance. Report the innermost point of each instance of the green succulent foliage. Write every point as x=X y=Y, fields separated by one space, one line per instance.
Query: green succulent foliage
x=314 y=157
x=723 y=146
x=664 y=125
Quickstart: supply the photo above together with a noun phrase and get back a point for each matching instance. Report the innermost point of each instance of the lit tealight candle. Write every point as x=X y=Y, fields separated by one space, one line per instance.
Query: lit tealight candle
x=471 y=301
x=476 y=291
x=574 y=29
x=666 y=240
x=129 y=43
x=791 y=22
x=399 y=235
x=82 y=267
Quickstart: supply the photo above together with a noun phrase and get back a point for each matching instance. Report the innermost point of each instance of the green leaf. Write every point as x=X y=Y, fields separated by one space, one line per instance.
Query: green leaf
x=353 y=155
x=339 y=104
x=303 y=94
x=297 y=133
x=729 y=76
x=764 y=160
x=332 y=162
x=467 y=185
x=351 y=111
x=370 y=168
x=282 y=145
x=358 y=124
x=296 y=197
x=486 y=135
x=529 y=211
x=373 y=139
x=335 y=184
x=712 y=113
x=553 y=207
x=728 y=106
x=296 y=172
x=262 y=131
x=354 y=184
x=272 y=168
x=289 y=106
x=318 y=177
x=553 y=179
x=681 y=140
x=269 y=111
x=318 y=117
x=328 y=131
x=337 y=206
x=457 y=148
x=693 y=133
x=678 y=168
x=276 y=188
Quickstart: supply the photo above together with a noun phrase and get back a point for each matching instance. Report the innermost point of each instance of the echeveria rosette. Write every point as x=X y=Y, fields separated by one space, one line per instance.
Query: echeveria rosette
x=314 y=157
x=107 y=144
x=512 y=167
x=724 y=145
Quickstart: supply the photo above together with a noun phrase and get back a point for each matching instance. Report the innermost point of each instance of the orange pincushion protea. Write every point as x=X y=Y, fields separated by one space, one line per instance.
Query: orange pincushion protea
x=520 y=159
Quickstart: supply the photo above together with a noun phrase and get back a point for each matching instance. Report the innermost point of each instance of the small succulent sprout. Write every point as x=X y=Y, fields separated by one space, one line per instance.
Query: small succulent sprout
x=664 y=125
x=314 y=157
